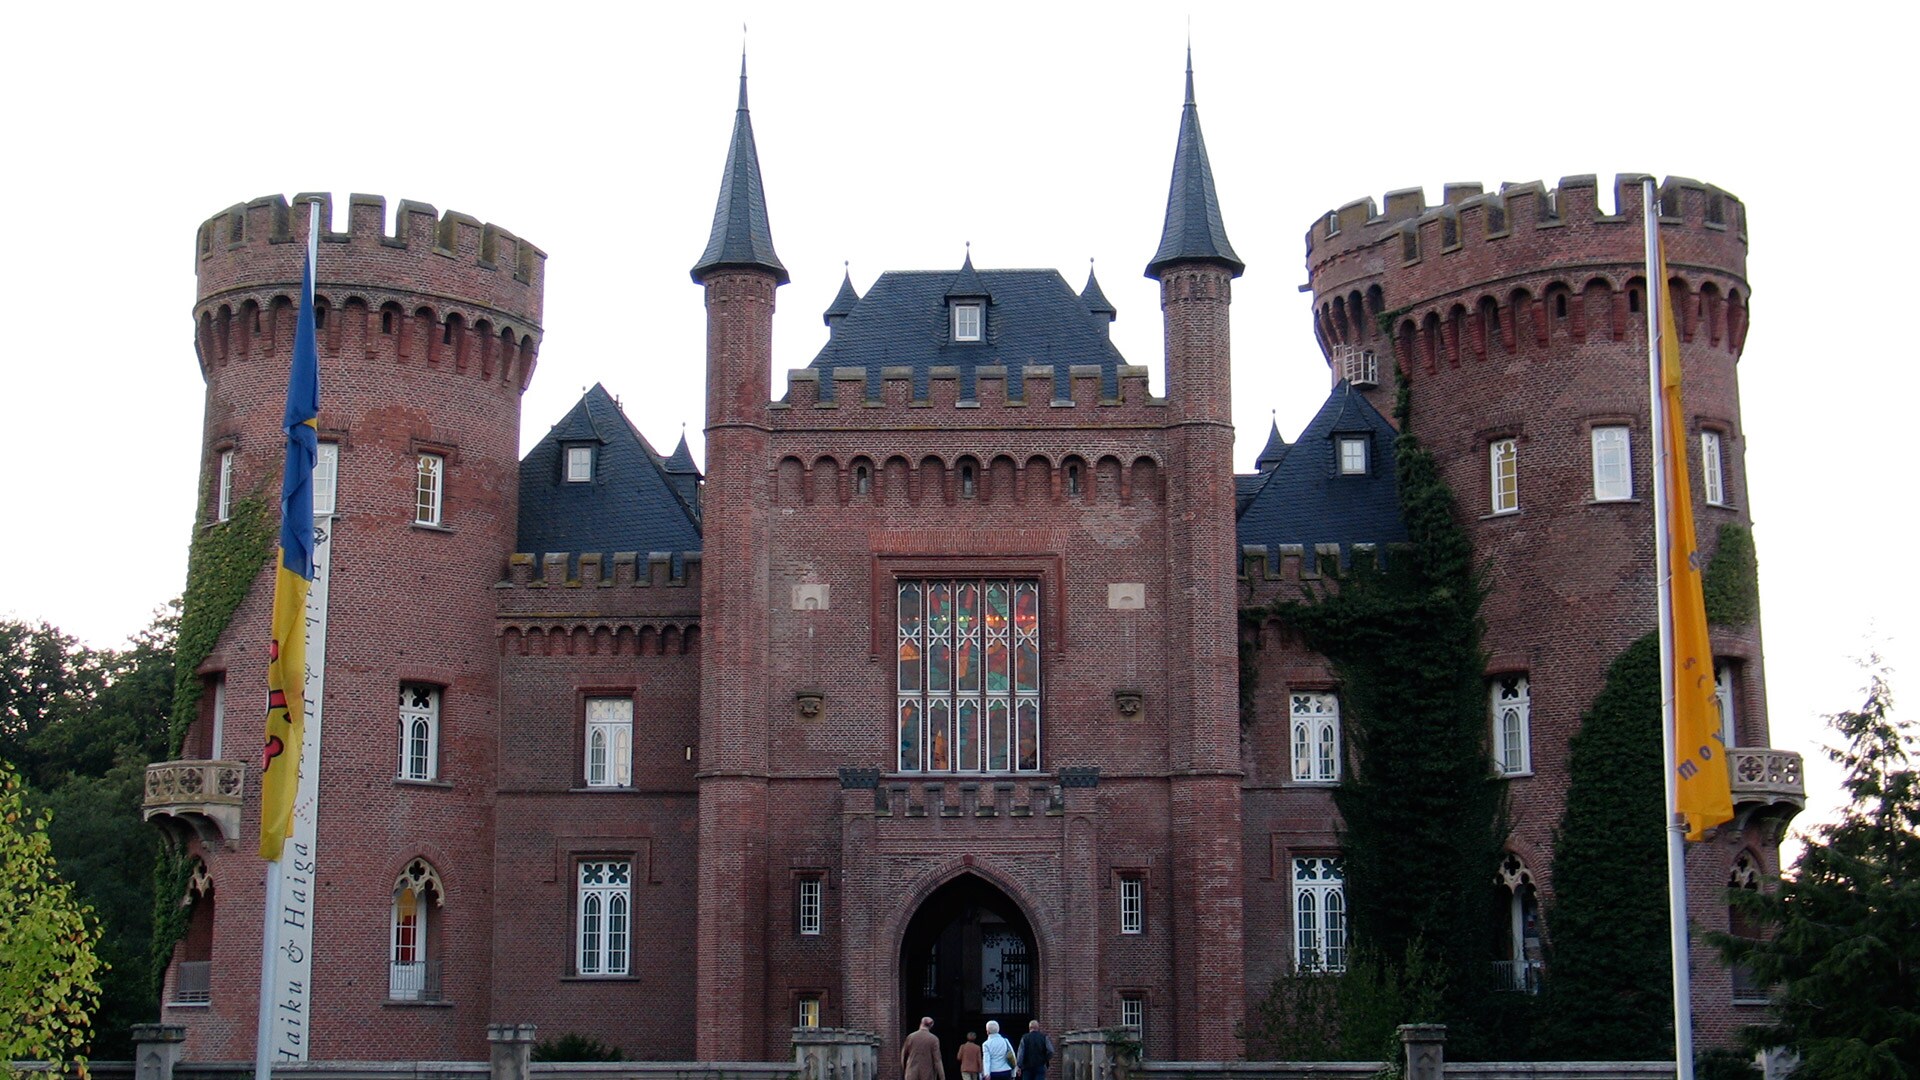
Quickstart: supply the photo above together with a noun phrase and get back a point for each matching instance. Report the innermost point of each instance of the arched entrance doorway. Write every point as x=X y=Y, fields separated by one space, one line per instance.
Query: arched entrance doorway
x=968 y=956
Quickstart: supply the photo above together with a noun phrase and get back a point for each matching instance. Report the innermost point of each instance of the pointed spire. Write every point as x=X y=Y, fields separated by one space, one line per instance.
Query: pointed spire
x=1193 y=231
x=681 y=460
x=966 y=282
x=1096 y=300
x=741 y=236
x=1276 y=449
x=844 y=301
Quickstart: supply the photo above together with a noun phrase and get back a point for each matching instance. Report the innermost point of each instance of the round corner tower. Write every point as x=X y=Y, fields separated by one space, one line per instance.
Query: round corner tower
x=1520 y=317
x=427 y=339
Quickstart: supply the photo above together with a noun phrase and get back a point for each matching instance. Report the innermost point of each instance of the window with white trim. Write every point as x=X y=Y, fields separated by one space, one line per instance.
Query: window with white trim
x=419 y=731
x=1503 y=458
x=428 y=489
x=1712 y=478
x=809 y=904
x=603 y=917
x=1612 y=464
x=1316 y=737
x=609 y=742
x=411 y=974
x=1512 y=705
x=967 y=675
x=1319 y=915
x=326 y=478
x=579 y=464
x=1133 y=1014
x=1353 y=455
x=216 y=742
x=1724 y=680
x=809 y=1013
x=966 y=322
x=223 y=501
x=1133 y=904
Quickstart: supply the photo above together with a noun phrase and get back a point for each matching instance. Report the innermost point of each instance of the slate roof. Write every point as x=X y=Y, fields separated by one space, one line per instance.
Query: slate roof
x=843 y=301
x=1193 y=231
x=1304 y=500
x=1033 y=317
x=631 y=504
x=1096 y=300
x=1274 y=451
x=741 y=236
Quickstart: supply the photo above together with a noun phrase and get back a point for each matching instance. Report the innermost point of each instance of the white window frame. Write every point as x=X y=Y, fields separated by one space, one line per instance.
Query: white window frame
x=1503 y=465
x=579 y=464
x=1133 y=904
x=603 y=917
x=1315 y=737
x=1612 y=463
x=809 y=1013
x=1725 y=680
x=216 y=745
x=969 y=321
x=223 y=500
x=429 y=490
x=1319 y=914
x=1510 y=705
x=1352 y=450
x=419 y=732
x=609 y=742
x=1133 y=1014
x=1712 y=473
x=326 y=478
x=809 y=914
x=406 y=979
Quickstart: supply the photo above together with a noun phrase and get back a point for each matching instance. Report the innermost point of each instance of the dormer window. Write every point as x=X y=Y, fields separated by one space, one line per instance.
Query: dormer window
x=967 y=321
x=1353 y=455
x=579 y=464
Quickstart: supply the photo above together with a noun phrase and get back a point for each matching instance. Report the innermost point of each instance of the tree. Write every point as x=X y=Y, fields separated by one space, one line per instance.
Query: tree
x=49 y=975
x=1842 y=941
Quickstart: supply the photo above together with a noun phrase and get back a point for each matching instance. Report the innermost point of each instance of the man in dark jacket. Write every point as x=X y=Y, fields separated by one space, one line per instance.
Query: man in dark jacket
x=1036 y=1053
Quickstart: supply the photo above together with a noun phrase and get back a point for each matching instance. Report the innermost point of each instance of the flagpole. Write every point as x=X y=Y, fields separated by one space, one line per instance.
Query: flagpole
x=270 y=901
x=1663 y=572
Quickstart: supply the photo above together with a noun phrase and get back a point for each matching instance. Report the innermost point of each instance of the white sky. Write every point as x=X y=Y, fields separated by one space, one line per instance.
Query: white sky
x=890 y=135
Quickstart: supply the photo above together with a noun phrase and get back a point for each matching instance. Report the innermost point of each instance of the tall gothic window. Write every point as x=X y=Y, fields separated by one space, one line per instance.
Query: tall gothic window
x=609 y=742
x=412 y=974
x=968 y=675
x=603 y=919
x=1316 y=737
x=1319 y=915
x=1512 y=704
x=419 y=731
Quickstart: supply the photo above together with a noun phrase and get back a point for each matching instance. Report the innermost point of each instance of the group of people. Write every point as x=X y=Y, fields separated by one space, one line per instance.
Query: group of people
x=996 y=1059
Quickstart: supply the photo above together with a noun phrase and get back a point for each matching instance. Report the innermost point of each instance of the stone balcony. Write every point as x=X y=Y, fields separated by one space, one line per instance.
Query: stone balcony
x=198 y=797
x=1767 y=783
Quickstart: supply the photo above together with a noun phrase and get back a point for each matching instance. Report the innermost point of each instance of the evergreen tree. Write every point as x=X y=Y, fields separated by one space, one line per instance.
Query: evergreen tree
x=1609 y=988
x=1423 y=816
x=1844 y=943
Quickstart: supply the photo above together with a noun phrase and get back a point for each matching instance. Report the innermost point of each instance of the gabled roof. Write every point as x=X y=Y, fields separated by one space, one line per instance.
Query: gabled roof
x=1305 y=500
x=741 y=236
x=1033 y=317
x=631 y=504
x=1193 y=230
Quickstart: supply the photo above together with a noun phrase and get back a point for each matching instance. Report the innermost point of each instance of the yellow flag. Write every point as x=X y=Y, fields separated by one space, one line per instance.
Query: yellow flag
x=1702 y=791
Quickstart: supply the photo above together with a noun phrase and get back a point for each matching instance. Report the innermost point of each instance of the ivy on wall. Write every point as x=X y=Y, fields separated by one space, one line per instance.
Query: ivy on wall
x=1732 y=579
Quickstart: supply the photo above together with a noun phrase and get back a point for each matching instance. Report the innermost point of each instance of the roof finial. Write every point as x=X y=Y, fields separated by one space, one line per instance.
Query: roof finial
x=743 y=70
x=743 y=63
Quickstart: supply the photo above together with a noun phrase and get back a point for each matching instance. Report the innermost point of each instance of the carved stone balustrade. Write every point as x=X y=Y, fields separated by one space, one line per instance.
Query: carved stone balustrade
x=1767 y=783
x=202 y=797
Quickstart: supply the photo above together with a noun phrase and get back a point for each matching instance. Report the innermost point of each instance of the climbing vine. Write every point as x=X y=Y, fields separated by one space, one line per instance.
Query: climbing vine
x=1732 y=579
x=1418 y=801
x=221 y=567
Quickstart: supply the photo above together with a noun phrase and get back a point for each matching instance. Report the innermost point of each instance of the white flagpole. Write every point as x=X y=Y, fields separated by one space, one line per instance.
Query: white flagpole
x=270 y=902
x=1663 y=572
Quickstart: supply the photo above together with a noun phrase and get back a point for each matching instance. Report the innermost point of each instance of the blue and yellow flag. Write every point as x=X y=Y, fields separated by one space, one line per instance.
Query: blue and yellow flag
x=287 y=654
x=1702 y=782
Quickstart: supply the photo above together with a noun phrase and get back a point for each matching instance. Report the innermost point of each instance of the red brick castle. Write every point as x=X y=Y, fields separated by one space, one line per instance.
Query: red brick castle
x=950 y=723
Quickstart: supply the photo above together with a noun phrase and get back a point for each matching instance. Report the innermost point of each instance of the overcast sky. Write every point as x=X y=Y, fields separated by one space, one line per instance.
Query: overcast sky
x=891 y=136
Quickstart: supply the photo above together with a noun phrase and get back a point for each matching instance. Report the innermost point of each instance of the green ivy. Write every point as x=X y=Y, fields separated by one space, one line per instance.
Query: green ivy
x=221 y=567
x=1732 y=580
x=171 y=873
x=1419 y=801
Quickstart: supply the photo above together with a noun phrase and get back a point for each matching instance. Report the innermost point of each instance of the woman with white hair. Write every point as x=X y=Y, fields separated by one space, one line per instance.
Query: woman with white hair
x=998 y=1053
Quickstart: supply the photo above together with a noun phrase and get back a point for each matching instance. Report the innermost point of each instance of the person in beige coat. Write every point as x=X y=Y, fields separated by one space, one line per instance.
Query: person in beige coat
x=920 y=1055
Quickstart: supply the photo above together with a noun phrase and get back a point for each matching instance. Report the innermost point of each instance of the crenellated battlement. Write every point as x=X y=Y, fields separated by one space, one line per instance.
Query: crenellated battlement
x=1032 y=395
x=456 y=258
x=592 y=571
x=1520 y=269
x=1292 y=564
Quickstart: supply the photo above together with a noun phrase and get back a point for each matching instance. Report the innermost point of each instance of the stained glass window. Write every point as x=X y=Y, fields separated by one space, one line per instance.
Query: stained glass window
x=968 y=675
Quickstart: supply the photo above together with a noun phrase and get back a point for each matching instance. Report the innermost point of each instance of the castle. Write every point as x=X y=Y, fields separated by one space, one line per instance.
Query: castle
x=925 y=698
